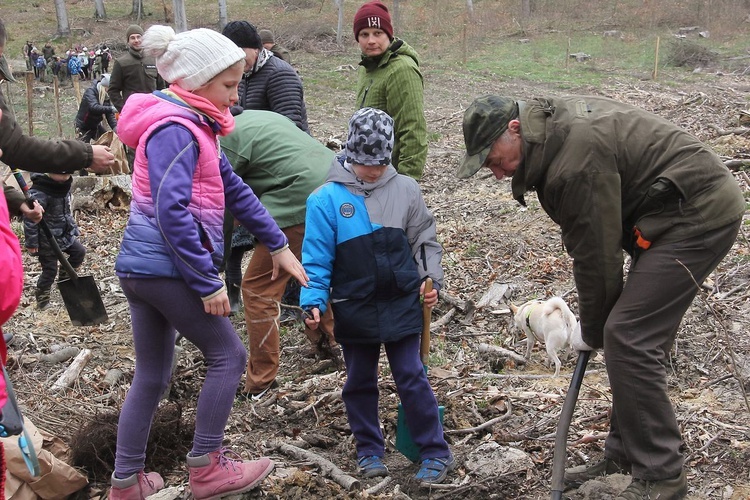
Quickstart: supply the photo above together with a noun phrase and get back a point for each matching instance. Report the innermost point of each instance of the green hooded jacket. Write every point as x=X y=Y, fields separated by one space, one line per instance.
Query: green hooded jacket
x=393 y=83
x=602 y=168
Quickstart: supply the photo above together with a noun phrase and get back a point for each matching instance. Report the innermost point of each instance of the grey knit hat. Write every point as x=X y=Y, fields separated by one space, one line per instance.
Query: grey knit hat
x=370 y=140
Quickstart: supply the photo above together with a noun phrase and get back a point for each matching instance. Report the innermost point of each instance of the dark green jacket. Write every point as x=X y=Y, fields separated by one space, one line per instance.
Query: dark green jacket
x=133 y=73
x=393 y=83
x=594 y=164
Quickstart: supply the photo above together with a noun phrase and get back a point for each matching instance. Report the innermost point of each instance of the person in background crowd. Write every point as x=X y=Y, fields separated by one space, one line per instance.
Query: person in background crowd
x=170 y=254
x=389 y=79
x=617 y=178
x=74 y=65
x=27 y=48
x=48 y=51
x=38 y=155
x=267 y=39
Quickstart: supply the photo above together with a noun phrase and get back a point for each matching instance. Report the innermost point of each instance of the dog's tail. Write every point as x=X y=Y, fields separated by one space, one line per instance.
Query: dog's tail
x=557 y=303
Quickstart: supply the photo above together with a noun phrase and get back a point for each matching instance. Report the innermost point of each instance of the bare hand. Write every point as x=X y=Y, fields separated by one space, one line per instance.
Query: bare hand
x=314 y=322
x=218 y=305
x=288 y=262
x=33 y=214
x=428 y=299
x=103 y=159
x=32 y=251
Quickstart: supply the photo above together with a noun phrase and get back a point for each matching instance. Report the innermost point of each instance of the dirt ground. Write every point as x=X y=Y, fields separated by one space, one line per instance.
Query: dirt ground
x=500 y=415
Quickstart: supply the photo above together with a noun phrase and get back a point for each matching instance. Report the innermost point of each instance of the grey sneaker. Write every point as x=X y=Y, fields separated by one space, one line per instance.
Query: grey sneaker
x=576 y=476
x=666 y=489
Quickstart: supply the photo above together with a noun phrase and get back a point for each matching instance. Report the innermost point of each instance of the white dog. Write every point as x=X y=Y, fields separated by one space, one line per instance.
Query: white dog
x=548 y=321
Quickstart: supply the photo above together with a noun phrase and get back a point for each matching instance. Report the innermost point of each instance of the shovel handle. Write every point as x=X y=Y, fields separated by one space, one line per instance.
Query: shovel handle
x=424 y=346
x=45 y=228
x=563 y=425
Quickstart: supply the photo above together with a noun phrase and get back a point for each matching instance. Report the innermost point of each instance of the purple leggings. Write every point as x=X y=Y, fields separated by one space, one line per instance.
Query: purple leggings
x=159 y=307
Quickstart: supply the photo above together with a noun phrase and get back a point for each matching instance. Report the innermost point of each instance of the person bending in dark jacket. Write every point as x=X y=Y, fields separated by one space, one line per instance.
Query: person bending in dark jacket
x=95 y=105
x=617 y=179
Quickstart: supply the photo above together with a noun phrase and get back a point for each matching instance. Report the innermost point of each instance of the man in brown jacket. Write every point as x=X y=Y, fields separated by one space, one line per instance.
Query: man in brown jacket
x=133 y=72
x=615 y=177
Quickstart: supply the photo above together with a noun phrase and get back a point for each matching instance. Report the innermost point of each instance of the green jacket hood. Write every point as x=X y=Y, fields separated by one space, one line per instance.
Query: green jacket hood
x=397 y=48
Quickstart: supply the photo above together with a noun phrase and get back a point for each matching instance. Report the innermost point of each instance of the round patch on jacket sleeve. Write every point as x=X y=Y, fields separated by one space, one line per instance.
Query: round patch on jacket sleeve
x=346 y=210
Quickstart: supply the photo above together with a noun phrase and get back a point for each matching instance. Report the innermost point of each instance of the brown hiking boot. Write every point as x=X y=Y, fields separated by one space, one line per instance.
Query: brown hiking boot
x=665 y=489
x=576 y=476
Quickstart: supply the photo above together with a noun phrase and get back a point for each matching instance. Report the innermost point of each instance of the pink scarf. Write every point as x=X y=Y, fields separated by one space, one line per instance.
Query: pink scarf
x=205 y=107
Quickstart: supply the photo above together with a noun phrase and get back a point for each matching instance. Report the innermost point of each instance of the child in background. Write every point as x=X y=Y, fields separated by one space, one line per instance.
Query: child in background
x=52 y=191
x=171 y=251
x=370 y=242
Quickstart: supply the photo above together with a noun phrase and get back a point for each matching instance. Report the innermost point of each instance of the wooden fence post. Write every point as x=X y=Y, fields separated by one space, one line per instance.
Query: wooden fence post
x=30 y=99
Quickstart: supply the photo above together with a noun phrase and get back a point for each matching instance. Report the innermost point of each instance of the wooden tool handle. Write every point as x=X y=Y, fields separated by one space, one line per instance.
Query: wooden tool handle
x=424 y=347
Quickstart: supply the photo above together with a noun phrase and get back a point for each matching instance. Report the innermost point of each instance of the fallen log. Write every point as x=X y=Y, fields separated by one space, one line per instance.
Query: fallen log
x=326 y=466
x=72 y=372
x=501 y=353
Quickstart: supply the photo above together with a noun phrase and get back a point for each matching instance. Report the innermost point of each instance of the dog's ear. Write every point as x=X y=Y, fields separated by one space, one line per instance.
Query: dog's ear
x=513 y=307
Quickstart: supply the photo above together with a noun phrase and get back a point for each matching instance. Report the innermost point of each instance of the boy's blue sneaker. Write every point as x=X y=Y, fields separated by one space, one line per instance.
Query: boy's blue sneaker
x=372 y=466
x=435 y=470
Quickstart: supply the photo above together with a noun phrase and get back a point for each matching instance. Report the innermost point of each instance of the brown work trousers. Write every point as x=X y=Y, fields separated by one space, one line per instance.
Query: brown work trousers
x=638 y=337
x=262 y=300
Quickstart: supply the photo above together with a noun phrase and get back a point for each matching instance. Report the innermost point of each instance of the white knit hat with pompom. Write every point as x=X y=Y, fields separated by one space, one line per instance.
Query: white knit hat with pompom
x=192 y=58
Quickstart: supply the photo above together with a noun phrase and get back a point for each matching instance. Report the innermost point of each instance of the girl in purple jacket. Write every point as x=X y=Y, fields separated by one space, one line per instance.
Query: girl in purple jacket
x=171 y=250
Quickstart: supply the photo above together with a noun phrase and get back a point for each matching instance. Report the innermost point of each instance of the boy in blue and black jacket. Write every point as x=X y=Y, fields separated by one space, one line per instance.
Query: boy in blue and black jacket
x=369 y=245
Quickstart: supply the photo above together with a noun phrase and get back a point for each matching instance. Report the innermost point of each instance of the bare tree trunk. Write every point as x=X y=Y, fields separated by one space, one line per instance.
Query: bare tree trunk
x=137 y=11
x=470 y=8
x=180 y=18
x=63 y=26
x=340 y=26
x=396 y=16
x=99 y=13
x=526 y=8
x=222 y=14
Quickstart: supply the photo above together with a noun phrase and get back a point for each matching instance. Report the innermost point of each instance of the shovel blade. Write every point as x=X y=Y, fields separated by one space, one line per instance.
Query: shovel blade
x=83 y=301
x=404 y=442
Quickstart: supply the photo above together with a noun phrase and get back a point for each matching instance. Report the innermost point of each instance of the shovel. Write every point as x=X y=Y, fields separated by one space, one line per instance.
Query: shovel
x=80 y=293
x=563 y=425
x=404 y=442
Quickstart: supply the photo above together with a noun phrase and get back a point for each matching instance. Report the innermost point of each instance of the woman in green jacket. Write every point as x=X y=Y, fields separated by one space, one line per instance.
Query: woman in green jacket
x=390 y=80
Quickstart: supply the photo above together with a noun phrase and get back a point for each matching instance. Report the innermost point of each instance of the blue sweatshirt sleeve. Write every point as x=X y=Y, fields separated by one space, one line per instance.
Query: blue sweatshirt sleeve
x=318 y=253
x=172 y=159
x=247 y=208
